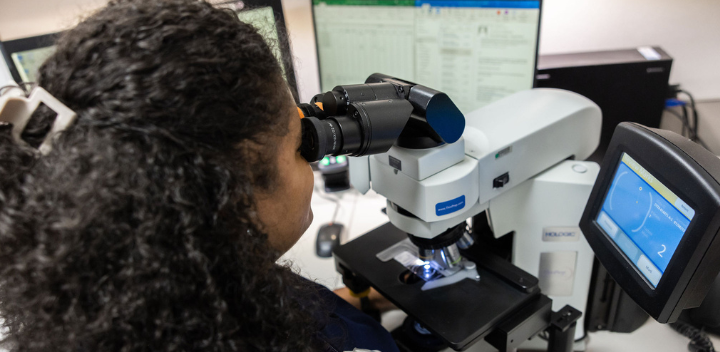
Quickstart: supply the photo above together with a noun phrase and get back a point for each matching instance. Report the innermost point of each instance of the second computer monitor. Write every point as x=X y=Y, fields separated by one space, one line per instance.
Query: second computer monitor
x=475 y=51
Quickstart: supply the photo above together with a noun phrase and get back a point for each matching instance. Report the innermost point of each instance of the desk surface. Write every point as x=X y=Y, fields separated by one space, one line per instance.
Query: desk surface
x=362 y=213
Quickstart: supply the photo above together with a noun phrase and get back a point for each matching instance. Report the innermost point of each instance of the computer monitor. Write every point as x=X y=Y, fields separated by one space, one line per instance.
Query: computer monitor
x=267 y=17
x=476 y=51
x=24 y=56
x=5 y=75
x=653 y=219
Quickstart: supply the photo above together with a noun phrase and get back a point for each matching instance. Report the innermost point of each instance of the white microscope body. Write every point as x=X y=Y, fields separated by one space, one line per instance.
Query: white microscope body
x=510 y=162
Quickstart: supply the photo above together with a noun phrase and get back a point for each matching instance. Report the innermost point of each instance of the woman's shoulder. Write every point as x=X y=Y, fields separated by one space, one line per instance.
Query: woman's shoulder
x=346 y=328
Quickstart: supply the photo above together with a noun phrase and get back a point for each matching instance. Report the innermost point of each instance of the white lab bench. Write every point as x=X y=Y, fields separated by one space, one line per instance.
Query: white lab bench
x=362 y=213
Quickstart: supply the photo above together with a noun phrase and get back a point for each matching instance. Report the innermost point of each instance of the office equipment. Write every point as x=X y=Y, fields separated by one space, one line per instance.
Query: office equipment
x=268 y=18
x=436 y=172
x=329 y=236
x=627 y=85
x=609 y=307
x=16 y=110
x=541 y=215
x=475 y=51
x=24 y=56
x=652 y=219
x=5 y=75
x=652 y=216
x=334 y=172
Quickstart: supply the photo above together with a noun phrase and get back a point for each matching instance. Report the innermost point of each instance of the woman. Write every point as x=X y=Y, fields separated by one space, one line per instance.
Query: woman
x=156 y=221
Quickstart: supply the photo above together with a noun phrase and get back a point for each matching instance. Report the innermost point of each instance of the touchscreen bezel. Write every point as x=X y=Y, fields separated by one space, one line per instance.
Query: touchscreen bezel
x=681 y=174
x=615 y=243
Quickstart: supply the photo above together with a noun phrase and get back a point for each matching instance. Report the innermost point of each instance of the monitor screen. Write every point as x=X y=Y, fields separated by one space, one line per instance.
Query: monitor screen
x=263 y=19
x=475 y=51
x=24 y=56
x=644 y=218
x=27 y=63
x=28 y=54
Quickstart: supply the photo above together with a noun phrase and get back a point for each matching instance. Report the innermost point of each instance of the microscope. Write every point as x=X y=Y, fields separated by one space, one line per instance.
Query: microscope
x=438 y=168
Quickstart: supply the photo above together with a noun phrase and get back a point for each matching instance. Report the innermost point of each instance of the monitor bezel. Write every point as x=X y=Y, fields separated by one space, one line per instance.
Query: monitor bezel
x=691 y=183
x=282 y=32
x=45 y=40
x=537 y=45
x=25 y=44
x=4 y=55
x=604 y=198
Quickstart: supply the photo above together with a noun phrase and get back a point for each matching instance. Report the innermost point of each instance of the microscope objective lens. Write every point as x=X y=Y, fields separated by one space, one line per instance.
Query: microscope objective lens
x=450 y=256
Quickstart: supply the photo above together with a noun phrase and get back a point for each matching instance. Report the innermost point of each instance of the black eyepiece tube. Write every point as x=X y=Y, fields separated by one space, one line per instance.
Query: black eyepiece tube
x=370 y=118
x=320 y=138
x=334 y=102
x=351 y=134
x=338 y=100
x=382 y=122
x=369 y=127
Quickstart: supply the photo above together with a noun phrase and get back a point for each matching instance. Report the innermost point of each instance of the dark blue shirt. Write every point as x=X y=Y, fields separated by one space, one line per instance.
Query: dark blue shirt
x=348 y=328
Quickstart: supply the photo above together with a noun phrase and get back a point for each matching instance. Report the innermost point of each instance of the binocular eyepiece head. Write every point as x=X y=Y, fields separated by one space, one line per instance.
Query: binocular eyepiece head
x=369 y=118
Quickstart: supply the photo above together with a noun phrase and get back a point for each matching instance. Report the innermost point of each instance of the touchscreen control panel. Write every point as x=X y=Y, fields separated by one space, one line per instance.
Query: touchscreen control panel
x=644 y=218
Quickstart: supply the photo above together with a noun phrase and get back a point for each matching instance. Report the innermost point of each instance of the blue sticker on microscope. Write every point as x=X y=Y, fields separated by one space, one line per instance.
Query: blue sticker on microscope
x=450 y=206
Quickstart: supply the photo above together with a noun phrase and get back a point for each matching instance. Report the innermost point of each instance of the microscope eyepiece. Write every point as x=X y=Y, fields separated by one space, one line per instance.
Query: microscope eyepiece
x=365 y=119
x=319 y=138
x=369 y=127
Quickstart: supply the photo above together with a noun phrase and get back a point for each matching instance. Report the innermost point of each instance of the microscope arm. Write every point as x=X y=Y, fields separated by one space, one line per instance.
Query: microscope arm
x=504 y=144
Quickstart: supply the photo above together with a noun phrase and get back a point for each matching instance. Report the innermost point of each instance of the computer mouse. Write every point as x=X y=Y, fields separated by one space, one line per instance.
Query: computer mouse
x=328 y=237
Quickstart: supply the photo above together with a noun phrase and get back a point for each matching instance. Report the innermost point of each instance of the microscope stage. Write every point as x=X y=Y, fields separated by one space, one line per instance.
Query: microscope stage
x=461 y=313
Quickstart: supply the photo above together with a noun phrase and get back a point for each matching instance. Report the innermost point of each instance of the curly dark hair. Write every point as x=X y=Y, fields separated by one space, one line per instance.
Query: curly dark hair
x=138 y=232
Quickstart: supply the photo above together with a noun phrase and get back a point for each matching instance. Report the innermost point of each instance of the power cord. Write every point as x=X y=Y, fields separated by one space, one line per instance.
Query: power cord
x=22 y=86
x=695 y=114
x=689 y=129
x=699 y=340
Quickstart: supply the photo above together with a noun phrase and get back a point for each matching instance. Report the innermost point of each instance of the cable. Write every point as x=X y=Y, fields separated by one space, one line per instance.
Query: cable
x=686 y=126
x=686 y=122
x=695 y=119
x=672 y=101
x=699 y=340
x=337 y=207
x=692 y=104
x=9 y=87
x=22 y=86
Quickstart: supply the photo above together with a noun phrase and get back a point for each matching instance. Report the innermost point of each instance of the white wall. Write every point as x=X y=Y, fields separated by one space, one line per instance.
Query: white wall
x=689 y=30
x=298 y=18
x=26 y=18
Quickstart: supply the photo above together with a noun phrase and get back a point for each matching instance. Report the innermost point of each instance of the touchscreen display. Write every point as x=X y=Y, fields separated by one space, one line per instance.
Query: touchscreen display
x=644 y=218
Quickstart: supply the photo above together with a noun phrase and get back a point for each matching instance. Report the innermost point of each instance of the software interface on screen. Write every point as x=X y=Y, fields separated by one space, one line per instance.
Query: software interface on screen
x=263 y=20
x=28 y=62
x=475 y=51
x=644 y=218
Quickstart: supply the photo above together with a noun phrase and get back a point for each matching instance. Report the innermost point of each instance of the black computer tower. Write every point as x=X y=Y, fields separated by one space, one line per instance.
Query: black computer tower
x=628 y=85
